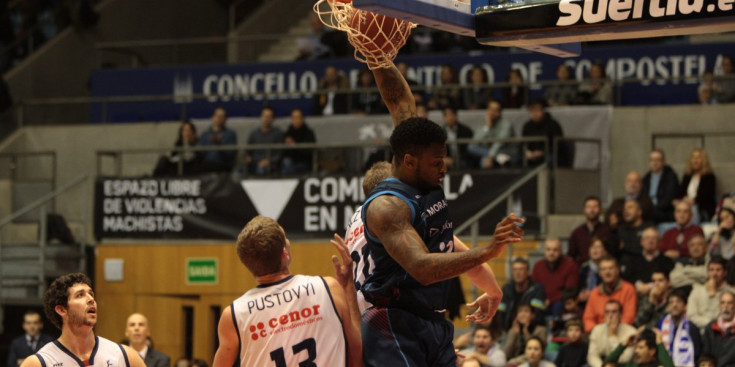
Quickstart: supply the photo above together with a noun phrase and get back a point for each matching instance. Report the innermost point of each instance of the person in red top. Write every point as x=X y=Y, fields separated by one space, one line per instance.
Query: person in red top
x=612 y=288
x=556 y=273
x=675 y=240
x=581 y=237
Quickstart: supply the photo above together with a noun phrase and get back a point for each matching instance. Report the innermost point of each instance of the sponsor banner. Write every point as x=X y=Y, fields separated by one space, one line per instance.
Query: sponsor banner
x=215 y=206
x=233 y=86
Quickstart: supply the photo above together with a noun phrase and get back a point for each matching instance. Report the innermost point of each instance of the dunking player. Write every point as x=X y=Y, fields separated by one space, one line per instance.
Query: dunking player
x=69 y=304
x=356 y=243
x=288 y=320
x=410 y=235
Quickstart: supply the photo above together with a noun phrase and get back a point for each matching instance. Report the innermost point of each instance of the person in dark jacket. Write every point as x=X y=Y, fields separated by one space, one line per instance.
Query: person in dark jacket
x=298 y=161
x=542 y=124
x=661 y=185
x=521 y=290
x=30 y=342
x=719 y=335
x=698 y=186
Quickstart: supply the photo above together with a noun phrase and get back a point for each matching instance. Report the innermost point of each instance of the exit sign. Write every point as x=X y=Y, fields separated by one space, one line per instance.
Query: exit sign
x=202 y=271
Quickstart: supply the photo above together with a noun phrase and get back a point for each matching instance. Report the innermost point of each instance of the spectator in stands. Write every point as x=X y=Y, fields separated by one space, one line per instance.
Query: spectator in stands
x=484 y=348
x=138 y=334
x=534 y=353
x=709 y=90
x=219 y=134
x=30 y=342
x=367 y=102
x=634 y=191
x=653 y=307
x=581 y=237
x=612 y=288
x=542 y=124
x=447 y=94
x=690 y=270
x=182 y=362
x=630 y=233
x=589 y=276
x=698 y=186
x=457 y=157
x=557 y=273
x=723 y=240
x=516 y=93
x=311 y=46
x=571 y=311
x=675 y=242
x=596 y=89
x=639 y=267
x=298 y=161
x=477 y=94
x=332 y=99
x=706 y=361
x=660 y=184
x=521 y=290
x=726 y=93
x=496 y=126
x=649 y=350
x=191 y=162
x=680 y=336
x=524 y=327
x=606 y=336
x=703 y=301
x=403 y=69
x=719 y=334
x=565 y=92
x=263 y=161
x=574 y=352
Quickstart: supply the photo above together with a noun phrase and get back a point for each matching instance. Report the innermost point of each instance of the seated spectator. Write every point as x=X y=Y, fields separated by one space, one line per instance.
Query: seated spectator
x=521 y=290
x=674 y=243
x=524 y=327
x=709 y=90
x=680 y=337
x=191 y=162
x=534 y=353
x=557 y=273
x=457 y=153
x=638 y=268
x=607 y=335
x=630 y=233
x=219 y=134
x=447 y=94
x=263 y=161
x=496 y=126
x=477 y=94
x=704 y=299
x=634 y=191
x=723 y=240
x=484 y=348
x=514 y=95
x=311 y=46
x=182 y=362
x=706 y=361
x=403 y=69
x=690 y=270
x=542 y=124
x=719 y=334
x=612 y=288
x=653 y=307
x=660 y=184
x=332 y=99
x=596 y=89
x=574 y=352
x=698 y=186
x=581 y=237
x=589 y=275
x=649 y=350
x=298 y=161
x=726 y=82
x=367 y=102
x=564 y=93
x=571 y=311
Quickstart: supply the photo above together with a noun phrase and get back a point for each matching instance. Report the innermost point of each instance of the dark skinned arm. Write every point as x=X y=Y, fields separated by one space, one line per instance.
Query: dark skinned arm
x=396 y=93
x=389 y=218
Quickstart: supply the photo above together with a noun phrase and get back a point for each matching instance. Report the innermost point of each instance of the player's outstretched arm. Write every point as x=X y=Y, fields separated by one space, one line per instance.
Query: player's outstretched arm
x=133 y=357
x=226 y=354
x=396 y=93
x=484 y=278
x=389 y=218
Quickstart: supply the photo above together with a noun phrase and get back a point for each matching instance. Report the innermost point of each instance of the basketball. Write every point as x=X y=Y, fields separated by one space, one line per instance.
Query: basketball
x=376 y=31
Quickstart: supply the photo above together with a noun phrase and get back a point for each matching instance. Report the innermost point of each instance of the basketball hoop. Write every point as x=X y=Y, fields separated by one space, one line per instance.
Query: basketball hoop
x=376 y=38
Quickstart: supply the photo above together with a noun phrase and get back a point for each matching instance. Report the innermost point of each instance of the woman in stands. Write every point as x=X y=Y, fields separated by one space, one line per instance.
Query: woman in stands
x=723 y=241
x=168 y=165
x=698 y=186
x=534 y=354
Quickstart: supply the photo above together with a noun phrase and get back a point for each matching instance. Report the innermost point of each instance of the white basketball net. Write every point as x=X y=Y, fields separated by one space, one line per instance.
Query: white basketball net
x=340 y=16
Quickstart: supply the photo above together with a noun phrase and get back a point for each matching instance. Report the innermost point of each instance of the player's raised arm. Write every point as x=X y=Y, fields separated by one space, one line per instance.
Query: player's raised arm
x=389 y=218
x=484 y=278
x=396 y=93
x=345 y=299
x=226 y=354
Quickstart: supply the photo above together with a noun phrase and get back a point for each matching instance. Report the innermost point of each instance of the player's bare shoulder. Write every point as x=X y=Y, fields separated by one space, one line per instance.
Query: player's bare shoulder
x=387 y=213
x=31 y=361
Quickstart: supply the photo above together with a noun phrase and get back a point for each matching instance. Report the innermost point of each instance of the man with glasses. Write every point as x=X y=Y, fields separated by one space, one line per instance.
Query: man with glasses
x=606 y=336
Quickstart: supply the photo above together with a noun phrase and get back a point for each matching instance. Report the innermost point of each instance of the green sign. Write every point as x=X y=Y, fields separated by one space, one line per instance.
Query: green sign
x=202 y=271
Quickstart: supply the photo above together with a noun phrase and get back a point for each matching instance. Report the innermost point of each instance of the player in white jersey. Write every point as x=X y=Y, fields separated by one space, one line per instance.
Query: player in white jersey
x=289 y=320
x=69 y=304
x=363 y=264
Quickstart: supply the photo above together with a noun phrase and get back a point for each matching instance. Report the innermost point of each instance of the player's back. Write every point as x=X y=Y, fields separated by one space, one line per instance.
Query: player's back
x=288 y=323
x=106 y=353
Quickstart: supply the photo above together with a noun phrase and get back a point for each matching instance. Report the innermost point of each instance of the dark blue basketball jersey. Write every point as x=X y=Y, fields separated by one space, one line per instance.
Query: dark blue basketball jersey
x=390 y=284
